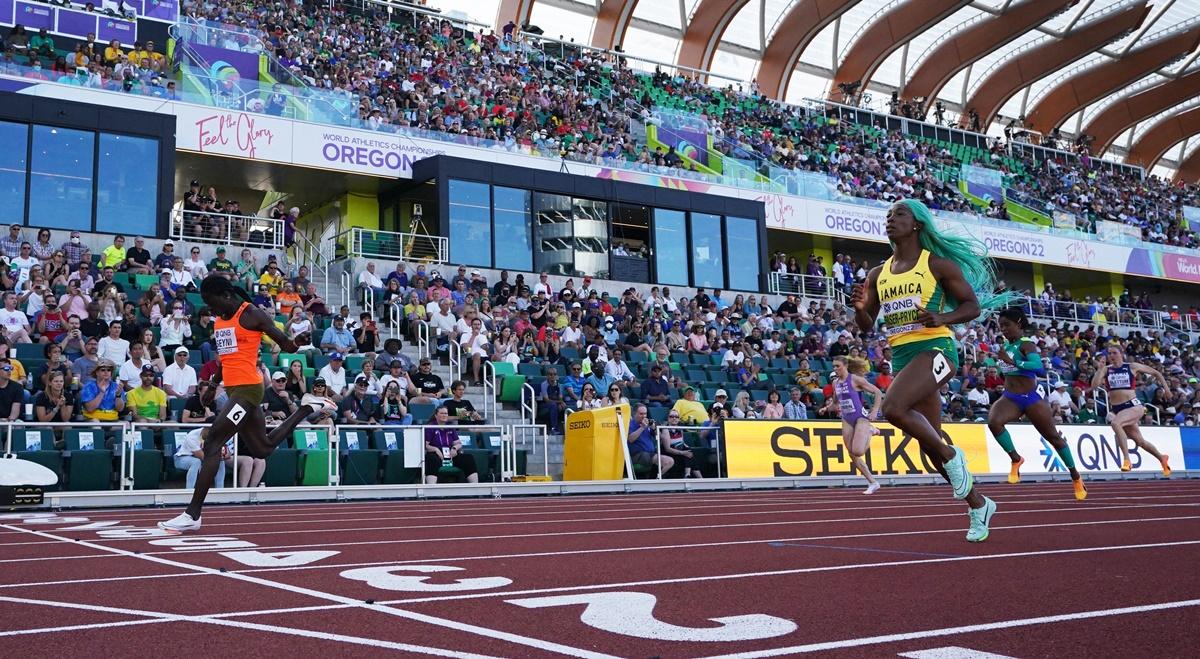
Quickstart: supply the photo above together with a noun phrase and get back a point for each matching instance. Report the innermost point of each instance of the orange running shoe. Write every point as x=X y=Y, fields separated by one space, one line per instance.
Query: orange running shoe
x=1080 y=490
x=1166 y=467
x=1014 y=472
x=1125 y=466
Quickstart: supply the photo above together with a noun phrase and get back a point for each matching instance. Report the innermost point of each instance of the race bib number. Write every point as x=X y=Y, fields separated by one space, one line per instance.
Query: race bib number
x=941 y=367
x=236 y=413
x=226 y=341
x=1041 y=391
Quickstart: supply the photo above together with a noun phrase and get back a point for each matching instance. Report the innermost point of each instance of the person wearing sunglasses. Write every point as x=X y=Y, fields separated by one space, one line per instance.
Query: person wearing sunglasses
x=102 y=397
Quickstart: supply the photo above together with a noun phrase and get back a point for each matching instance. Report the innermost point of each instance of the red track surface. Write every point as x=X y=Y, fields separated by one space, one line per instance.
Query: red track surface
x=789 y=572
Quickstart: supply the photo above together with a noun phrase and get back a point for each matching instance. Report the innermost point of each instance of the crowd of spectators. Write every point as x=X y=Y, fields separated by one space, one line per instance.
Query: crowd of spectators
x=406 y=71
x=138 y=69
x=704 y=357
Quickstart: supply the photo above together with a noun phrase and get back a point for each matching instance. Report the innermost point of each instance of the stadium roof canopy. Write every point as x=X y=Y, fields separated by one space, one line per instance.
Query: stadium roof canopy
x=1078 y=65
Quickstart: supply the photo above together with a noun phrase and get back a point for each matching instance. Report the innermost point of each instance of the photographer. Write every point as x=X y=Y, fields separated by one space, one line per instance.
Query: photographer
x=366 y=337
x=642 y=433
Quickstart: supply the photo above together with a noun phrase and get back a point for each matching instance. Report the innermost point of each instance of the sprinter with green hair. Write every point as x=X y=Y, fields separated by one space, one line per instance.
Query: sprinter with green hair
x=932 y=281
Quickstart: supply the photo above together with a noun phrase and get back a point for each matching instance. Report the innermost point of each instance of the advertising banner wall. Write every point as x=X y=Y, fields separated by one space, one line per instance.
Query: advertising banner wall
x=766 y=449
x=1094 y=447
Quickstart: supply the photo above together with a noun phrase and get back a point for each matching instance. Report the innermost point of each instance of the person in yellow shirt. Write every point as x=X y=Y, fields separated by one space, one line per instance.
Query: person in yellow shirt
x=113 y=52
x=272 y=279
x=113 y=256
x=155 y=57
x=690 y=410
x=148 y=402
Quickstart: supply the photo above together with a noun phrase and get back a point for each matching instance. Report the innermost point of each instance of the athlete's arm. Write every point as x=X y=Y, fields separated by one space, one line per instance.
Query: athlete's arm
x=254 y=319
x=1139 y=368
x=1099 y=377
x=950 y=276
x=1032 y=358
x=865 y=300
x=863 y=384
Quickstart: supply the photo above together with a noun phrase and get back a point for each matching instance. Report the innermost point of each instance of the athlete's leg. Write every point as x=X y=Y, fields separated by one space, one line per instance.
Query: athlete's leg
x=1117 y=422
x=1002 y=413
x=232 y=416
x=1042 y=418
x=1134 y=431
x=256 y=442
x=860 y=441
x=912 y=405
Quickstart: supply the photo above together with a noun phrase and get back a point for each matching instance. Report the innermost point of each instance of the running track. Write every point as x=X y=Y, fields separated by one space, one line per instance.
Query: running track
x=747 y=574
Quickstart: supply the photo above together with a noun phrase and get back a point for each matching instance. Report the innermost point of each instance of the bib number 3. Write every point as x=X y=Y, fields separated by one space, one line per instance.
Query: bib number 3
x=941 y=367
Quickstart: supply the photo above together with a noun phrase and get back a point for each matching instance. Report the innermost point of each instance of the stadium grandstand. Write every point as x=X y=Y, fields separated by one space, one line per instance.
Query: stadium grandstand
x=567 y=247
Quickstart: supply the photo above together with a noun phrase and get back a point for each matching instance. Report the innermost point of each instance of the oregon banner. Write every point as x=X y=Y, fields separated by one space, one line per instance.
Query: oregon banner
x=765 y=449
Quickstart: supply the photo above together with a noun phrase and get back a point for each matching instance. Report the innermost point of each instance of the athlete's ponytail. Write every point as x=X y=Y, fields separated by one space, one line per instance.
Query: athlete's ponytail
x=857 y=365
x=217 y=285
x=968 y=252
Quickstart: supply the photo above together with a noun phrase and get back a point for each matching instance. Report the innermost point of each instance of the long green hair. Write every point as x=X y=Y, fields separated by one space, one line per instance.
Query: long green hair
x=968 y=252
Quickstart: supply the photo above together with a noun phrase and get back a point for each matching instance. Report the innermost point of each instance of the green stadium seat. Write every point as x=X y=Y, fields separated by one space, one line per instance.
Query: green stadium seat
x=282 y=467
x=313 y=444
x=286 y=359
x=37 y=446
x=90 y=465
x=503 y=369
x=390 y=442
x=360 y=465
x=510 y=389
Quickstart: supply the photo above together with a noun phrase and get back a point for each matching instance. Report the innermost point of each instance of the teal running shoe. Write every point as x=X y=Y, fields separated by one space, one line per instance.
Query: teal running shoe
x=960 y=478
x=980 y=518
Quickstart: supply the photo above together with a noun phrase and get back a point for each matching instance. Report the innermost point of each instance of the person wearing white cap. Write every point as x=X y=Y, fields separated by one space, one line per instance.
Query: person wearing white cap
x=179 y=378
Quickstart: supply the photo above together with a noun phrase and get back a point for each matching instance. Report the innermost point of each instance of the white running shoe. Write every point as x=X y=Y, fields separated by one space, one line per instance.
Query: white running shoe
x=180 y=524
x=872 y=488
x=319 y=403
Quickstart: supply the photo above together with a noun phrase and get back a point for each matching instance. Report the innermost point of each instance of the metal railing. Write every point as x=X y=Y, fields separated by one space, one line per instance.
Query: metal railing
x=1077 y=312
x=714 y=442
x=309 y=254
x=346 y=286
x=489 y=389
x=809 y=286
x=367 y=243
x=528 y=404
x=423 y=339
x=454 y=357
x=1151 y=407
x=394 y=314
x=226 y=229
x=530 y=433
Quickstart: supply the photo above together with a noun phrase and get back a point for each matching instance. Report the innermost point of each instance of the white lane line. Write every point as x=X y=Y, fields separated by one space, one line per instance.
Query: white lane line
x=965 y=629
x=520 y=503
x=442 y=525
x=952 y=652
x=153 y=617
x=379 y=515
x=576 y=552
x=317 y=594
x=373 y=543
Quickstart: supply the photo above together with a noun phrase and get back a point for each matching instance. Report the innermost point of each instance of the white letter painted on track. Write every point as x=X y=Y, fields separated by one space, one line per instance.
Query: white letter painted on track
x=96 y=526
x=632 y=614
x=202 y=542
x=382 y=578
x=255 y=558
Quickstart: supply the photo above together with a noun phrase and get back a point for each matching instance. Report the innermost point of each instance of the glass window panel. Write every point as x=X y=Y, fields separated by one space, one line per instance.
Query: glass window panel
x=670 y=247
x=13 y=166
x=741 y=236
x=470 y=223
x=513 y=228
x=60 y=186
x=127 y=185
x=708 y=258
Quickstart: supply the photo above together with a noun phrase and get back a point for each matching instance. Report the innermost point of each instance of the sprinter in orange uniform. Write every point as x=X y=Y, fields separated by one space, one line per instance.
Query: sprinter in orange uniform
x=238 y=333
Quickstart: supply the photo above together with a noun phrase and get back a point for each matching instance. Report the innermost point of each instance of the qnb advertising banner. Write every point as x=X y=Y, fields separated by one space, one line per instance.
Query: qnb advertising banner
x=776 y=449
x=1095 y=449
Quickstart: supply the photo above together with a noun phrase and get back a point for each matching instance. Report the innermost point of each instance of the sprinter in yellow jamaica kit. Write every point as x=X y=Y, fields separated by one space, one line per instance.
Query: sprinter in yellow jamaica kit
x=931 y=282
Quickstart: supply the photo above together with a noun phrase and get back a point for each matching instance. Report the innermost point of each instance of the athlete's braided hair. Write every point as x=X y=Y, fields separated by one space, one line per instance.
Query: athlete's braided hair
x=216 y=285
x=969 y=252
